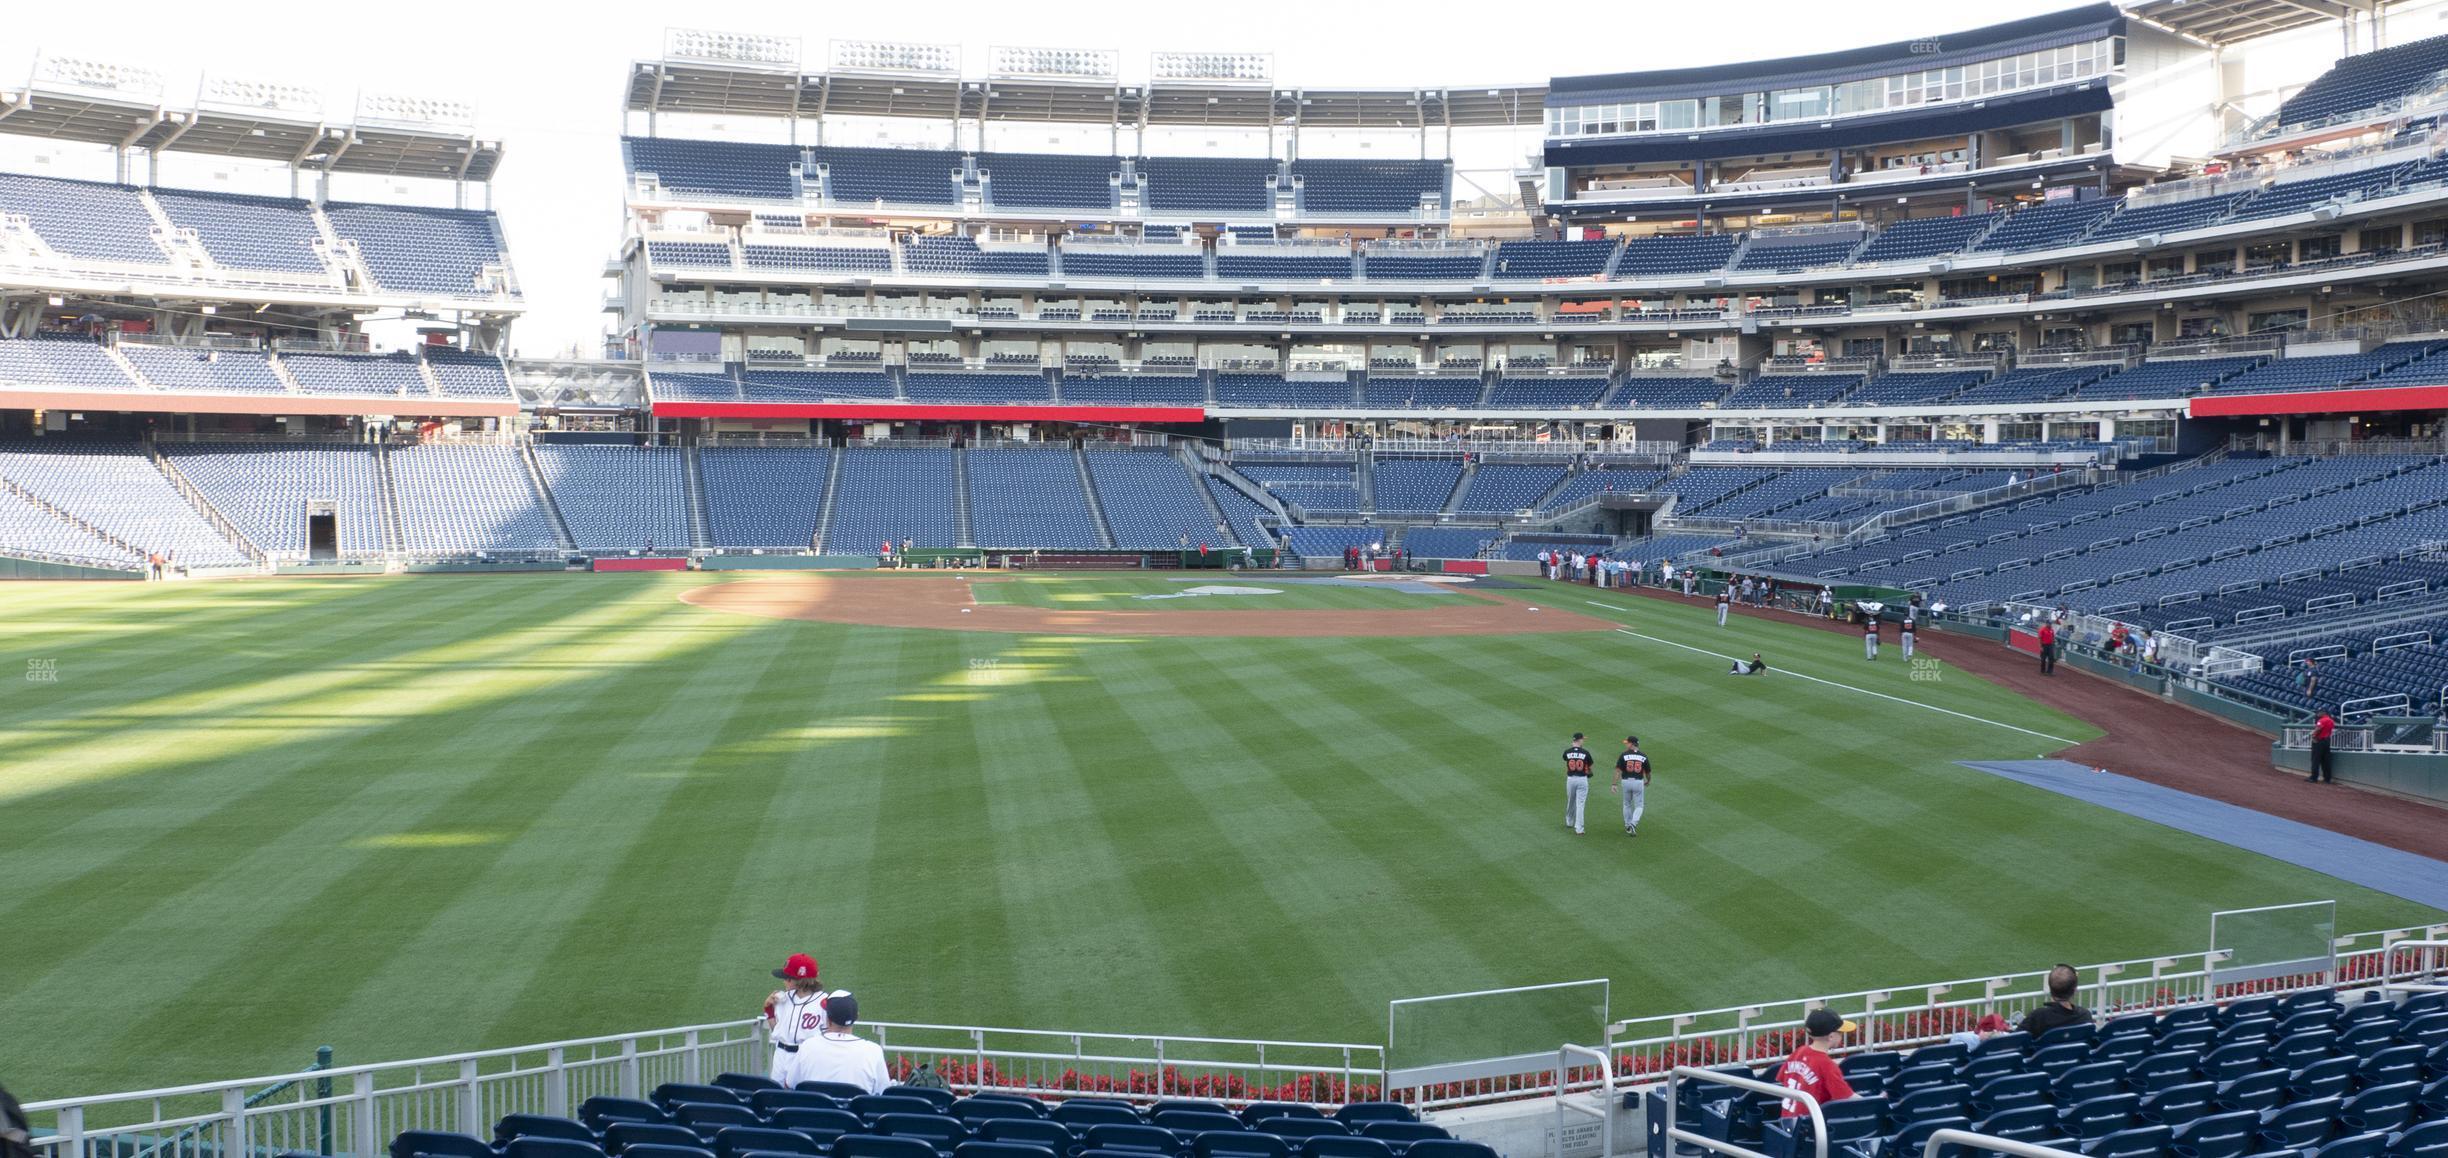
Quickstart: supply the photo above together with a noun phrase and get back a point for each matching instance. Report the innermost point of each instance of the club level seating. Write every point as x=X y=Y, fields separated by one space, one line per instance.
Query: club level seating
x=861 y=176
x=1267 y=390
x=1924 y=237
x=693 y=387
x=1006 y=387
x=1135 y=389
x=764 y=496
x=1447 y=542
x=84 y=219
x=1254 y=262
x=60 y=361
x=1806 y=389
x=961 y=255
x=264 y=489
x=2366 y=80
x=817 y=258
x=118 y=490
x=814 y=385
x=1654 y=548
x=1356 y=186
x=256 y=233
x=1420 y=393
x=892 y=494
x=1538 y=260
x=1771 y=495
x=1557 y=393
x=1394 y=265
x=1028 y=498
x=1415 y=485
x=2046 y=225
x=1134 y=264
x=386 y=375
x=715 y=168
x=461 y=498
x=1151 y=501
x=1311 y=486
x=2285 y=197
x=1604 y=480
x=1666 y=256
x=1793 y=256
x=2324 y=372
x=1666 y=393
x=1207 y=184
x=463 y=374
x=413 y=250
x=2166 y=218
x=689 y=254
x=1506 y=487
x=2037 y=384
x=1048 y=181
x=2174 y=378
x=203 y=370
x=1916 y=386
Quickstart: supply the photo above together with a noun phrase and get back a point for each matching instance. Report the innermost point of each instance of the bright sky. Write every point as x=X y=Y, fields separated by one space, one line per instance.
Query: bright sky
x=546 y=79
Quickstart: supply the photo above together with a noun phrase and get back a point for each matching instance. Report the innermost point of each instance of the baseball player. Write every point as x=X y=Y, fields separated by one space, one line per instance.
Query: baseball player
x=1632 y=783
x=1870 y=636
x=794 y=1016
x=1725 y=594
x=1904 y=634
x=1577 y=765
x=1687 y=582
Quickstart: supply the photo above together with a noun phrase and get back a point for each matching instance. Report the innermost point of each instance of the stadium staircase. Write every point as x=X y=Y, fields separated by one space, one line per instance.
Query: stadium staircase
x=1742 y=245
x=425 y=374
x=1462 y=485
x=280 y=370
x=1364 y=476
x=1096 y=505
x=394 y=542
x=1548 y=496
x=203 y=505
x=1532 y=202
x=701 y=532
x=962 y=528
x=824 y=518
x=1199 y=473
x=544 y=497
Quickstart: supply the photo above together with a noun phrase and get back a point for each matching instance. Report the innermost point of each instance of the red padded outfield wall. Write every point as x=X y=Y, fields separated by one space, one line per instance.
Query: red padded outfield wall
x=624 y=564
x=920 y=412
x=2321 y=402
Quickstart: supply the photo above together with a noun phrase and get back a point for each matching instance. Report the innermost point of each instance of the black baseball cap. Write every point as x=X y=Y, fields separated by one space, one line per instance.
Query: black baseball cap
x=841 y=1009
x=1631 y=739
x=1577 y=737
x=1820 y=1023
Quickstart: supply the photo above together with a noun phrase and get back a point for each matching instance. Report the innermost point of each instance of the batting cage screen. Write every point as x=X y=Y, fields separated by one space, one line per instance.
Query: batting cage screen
x=2272 y=941
x=1461 y=1036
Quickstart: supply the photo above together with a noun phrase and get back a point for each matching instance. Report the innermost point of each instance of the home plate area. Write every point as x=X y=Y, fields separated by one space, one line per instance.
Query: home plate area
x=951 y=603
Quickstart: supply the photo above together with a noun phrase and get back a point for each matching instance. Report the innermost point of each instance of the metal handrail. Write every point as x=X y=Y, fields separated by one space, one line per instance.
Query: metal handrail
x=1967 y=1138
x=1676 y=1133
x=1604 y=1111
x=2390 y=988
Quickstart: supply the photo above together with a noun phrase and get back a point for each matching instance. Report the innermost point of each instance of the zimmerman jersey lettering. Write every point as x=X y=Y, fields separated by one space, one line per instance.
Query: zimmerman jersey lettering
x=1812 y=1072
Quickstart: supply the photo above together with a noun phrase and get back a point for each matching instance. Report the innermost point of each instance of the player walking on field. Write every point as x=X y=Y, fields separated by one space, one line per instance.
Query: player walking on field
x=1632 y=783
x=1725 y=595
x=1904 y=634
x=795 y=1015
x=1870 y=636
x=1577 y=765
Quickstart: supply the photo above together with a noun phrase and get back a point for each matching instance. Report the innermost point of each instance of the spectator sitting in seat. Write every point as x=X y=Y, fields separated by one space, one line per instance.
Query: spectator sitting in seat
x=838 y=1055
x=1989 y=1026
x=1752 y=666
x=1810 y=1070
x=2060 y=1010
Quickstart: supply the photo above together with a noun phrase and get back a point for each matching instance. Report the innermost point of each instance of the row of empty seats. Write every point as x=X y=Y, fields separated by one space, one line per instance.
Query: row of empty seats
x=74 y=362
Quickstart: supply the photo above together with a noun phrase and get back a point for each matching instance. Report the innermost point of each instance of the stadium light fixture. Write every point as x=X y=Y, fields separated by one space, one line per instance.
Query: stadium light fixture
x=753 y=49
x=413 y=111
x=1213 y=67
x=1014 y=63
x=895 y=56
x=262 y=95
x=97 y=76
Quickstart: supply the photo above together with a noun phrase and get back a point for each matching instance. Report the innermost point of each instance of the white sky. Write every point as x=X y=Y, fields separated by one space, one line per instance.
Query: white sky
x=546 y=79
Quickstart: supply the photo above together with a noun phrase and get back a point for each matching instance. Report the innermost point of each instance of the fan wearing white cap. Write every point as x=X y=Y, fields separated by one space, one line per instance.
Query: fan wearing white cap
x=838 y=1055
x=1810 y=1070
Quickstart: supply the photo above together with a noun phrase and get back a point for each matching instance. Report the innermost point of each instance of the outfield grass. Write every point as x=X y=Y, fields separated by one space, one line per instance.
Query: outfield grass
x=1094 y=592
x=418 y=815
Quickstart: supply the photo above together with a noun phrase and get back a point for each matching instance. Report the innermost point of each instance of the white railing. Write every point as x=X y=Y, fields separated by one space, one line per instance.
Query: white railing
x=1969 y=1142
x=1675 y=1133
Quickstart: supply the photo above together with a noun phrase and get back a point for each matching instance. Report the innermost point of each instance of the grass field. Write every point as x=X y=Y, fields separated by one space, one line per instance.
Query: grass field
x=410 y=816
x=1141 y=593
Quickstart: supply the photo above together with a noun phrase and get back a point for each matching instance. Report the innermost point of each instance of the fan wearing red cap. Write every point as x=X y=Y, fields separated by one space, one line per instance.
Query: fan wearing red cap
x=794 y=1015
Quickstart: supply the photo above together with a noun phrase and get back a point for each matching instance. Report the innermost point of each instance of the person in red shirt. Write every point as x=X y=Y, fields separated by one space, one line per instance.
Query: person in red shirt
x=2048 y=649
x=2322 y=729
x=1810 y=1070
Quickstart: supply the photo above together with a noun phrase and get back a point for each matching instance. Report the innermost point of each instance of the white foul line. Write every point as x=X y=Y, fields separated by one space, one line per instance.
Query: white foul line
x=1847 y=687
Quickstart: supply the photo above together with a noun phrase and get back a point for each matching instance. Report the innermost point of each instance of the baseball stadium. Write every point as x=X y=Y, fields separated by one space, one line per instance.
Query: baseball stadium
x=1055 y=608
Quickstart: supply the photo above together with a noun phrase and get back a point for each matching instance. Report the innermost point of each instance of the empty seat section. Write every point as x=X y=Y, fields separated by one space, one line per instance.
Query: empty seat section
x=1178 y=185
x=1925 y=237
x=2046 y=224
x=1420 y=393
x=1151 y=501
x=1048 y=180
x=1537 y=260
x=118 y=490
x=1007 y=387
x=1667 y=393
x=2366 y=81
x=1507 y=487
x=1135 y=389
x=618 y=498
x=84 y=219
x=1356 y=186
x=413 y=250
x=1804 y=389
x=215 y=371
x=1556 y=393
x=462 y=498
x=892 y=176
x=689 y=254
x=814 y=385
x=1669 y=255
x=258 y=233
x=817 y=258
x=764 y=496
x=1311 y=486
x=1168 y=262
x=462 y=374
x=384 y=375
x=717 y=168
x=1028 y=498
x=266 y=489
x=1395 y=265
x=892 y=493
x=1255 y=262
x=1415 y=485
x=29 y=529
x=963 y=255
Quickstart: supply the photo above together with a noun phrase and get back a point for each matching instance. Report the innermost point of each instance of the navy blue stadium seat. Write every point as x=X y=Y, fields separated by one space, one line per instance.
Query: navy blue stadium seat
x=2011 y=1092
x=2099 y=1117
x=537 y=1146
x=1950 y=1052
x=2329 y=1077
x=2179 y=1105
x=2245 y=1009
x=766 y=1101
x=541 y=1126
x=672 y=1095
x=941 y=1098
x=2120 y=1049
x=1921 y=1076
x=1240 y=1144
x=1257 y=1112
x=2424 y=1141
x=977 y=1149
x=746 y=1083
x=707 y=1119
x=1987 y=1067
x=874 y=1106
x=1081 y=1114
x=1947 y=1101
x=2255 y=1091
x=1140 y=1138
x=1333 y=1146
x=2054 y=1058
x=2371 y=1145
x=619 y=1136
x=823 y=1125
x=662 y=1150
x=439 y=1144
x=1909 y=1141
x=842 y=1090
x=2160 y=1070
x=1401 y=1134
x=2078 y=1032
x=2297 y=1050
x=1434 y=1148
x=733 y=1141
x=1354 y=1113
x=942 y=1131
x=601 y=1113
x=880 y=1146
x=1194 y=1105
x=2386 y=1109
x=2427 y=1030
x=1853 y=1120
x=2300 y=1125
x=2233 y=1061
x=1028 y=1132
x=2218 y=1136
x=974 y=1110
x=1191 y=1123
x=1304 y=1127
x=2395 y=1063
x=2022 y=1124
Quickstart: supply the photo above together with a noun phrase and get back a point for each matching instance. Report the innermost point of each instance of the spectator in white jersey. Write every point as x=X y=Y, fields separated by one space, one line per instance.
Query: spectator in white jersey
x=838 y=1055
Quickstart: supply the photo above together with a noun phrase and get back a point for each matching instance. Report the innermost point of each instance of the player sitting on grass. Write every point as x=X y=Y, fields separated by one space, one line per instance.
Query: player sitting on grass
x=1752 y=666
